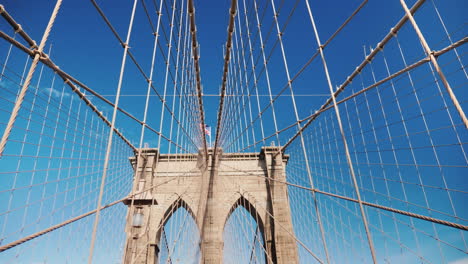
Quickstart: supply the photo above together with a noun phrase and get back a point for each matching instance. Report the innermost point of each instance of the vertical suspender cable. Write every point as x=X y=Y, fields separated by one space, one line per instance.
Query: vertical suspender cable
x=304 y=151
x=177 y=81
x=267 y=75
x=193 y=32
x=6 y=59
x=168 y=64
x=145 y=114
x=111 y=134
x=253 y=72
x=345 y=144
x=227 y=57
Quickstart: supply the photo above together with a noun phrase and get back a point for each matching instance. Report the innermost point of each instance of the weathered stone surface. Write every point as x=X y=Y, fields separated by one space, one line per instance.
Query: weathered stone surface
x=211 y=193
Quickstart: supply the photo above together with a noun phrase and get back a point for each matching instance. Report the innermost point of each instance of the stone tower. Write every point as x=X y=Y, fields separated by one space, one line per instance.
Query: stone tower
x=210 y=189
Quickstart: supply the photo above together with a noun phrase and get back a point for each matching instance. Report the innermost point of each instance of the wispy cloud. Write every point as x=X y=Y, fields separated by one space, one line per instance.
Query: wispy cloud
x=56 y=93
x=8 y=90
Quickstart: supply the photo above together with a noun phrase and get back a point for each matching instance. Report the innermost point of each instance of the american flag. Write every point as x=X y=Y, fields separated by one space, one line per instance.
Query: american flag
x=207 y=129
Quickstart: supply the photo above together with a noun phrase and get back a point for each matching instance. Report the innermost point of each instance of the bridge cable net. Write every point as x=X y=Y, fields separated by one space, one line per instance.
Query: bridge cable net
x=65 y=164
x=375 y=167
x=372 y=123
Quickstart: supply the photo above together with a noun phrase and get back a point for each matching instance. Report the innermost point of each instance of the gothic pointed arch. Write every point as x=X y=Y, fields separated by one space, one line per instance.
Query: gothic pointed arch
x=242 y=203
x=173 y=207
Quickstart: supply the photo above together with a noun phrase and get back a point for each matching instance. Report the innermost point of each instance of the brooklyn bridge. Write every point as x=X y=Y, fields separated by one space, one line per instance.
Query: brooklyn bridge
x=233 y=131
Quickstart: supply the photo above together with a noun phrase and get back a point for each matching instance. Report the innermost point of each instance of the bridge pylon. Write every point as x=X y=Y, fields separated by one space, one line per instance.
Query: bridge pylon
x=210 y=189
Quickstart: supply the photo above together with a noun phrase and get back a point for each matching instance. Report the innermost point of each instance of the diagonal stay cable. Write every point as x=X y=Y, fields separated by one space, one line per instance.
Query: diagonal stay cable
x=344 y=141
x=434 y=62
x=24 y=88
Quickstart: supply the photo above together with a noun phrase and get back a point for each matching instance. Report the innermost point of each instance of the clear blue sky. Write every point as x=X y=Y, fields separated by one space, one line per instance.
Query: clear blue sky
x=81 y=40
